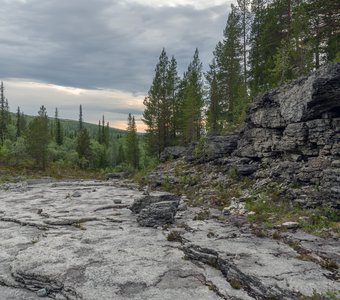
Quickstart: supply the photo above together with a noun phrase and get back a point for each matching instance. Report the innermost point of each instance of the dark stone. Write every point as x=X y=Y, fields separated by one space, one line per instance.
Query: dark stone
x=157 y=214
x=146 y=201
x=118 y=175
x=174 y=152
x=154 y=211
x=246 y=170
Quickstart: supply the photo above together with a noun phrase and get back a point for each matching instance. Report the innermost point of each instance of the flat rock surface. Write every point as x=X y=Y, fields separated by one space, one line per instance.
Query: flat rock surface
x=88 y=247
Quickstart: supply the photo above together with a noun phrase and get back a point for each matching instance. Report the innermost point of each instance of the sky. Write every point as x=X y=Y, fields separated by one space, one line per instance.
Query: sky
x=99 y=53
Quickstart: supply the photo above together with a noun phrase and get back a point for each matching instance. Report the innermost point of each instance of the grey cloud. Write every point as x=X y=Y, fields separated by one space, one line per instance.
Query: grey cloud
x=101 y=43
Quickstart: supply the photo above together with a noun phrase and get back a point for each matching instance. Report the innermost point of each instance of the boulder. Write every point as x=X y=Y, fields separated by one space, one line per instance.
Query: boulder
x=157 y=214
x=156 y=210
x=117 y=175
x=143 y=202
x=173 y=153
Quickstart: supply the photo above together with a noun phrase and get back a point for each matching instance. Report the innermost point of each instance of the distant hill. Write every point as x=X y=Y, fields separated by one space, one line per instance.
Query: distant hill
x=72 y=125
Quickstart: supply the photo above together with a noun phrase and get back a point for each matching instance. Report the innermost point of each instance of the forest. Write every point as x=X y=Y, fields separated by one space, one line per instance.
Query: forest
x=40 y=143
x=265 y=43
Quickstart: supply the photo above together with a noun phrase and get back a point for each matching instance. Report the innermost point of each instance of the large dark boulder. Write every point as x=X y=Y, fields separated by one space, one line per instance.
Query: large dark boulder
x=117 y=175
x=157 y=214
x=155 y=210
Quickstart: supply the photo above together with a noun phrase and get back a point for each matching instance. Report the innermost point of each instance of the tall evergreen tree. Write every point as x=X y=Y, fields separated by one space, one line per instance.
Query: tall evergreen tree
x=159 y=106
x=107 y=134
x=18 y=122
x=215 y=109
x=83 y=141
x=132 y=148
x=80 y=127
x=174 y=101
x=243 y=6
x=3 y=113
x=232 y=91
x=59 y=138
x=192 y=101
x=38 y=138
x=99 y=133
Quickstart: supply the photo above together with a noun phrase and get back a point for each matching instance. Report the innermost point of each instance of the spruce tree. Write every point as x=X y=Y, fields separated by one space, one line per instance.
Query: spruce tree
x=173 y=102
x=132 y=147
x=83 y=141
x=192 y=101
x=38 y=138
x=243 y=6
x=80 y=126
x=3 y=114
x=18 y=122
x=158 y=104
x=99 y=133
x=214 y=113
x=59 y=138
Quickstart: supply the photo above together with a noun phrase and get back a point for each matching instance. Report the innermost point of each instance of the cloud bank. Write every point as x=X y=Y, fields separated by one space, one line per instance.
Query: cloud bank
x=109 y=47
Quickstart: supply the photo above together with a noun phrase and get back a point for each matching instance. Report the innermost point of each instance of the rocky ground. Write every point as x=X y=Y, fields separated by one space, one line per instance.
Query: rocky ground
x=80 y=240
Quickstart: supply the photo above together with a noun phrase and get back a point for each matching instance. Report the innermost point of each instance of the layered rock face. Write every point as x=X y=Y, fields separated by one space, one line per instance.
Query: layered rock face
x=291 y=134
x=295 y=131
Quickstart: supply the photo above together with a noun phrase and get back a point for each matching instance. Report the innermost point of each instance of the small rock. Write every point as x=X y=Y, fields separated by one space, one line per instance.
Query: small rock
x=226 y=211
x=336 y=164
x=117 y=201
x=76 y=194
x=42 y=292
x=251 y=213
x=290 y=225
x=182 y=207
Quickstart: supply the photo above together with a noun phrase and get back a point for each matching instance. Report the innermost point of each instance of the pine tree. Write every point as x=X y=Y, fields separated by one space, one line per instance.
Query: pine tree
x=157 y=113
x=38 y=138
x=80 y=118
x=230 y=83
x=192 y=101
x=214 y=113
x=18 y=122
x=59 y=138
x=103 y=131
x=107 y=135
x=3 y=114
x=99 y=133
x=243 y=6
x=83 y=141
x=132 y=148
x=174 y=103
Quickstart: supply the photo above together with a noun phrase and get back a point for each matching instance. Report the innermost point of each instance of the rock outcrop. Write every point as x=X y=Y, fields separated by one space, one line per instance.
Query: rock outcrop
x=291 y=134
x=295 y=131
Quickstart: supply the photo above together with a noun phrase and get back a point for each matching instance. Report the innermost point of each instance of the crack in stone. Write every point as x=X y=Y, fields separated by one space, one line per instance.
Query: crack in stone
x=250 y=284
x=34 y=283
x=25 y=223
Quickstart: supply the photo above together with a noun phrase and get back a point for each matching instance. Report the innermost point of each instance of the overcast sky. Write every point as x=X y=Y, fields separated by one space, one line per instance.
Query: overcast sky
x=99 y=53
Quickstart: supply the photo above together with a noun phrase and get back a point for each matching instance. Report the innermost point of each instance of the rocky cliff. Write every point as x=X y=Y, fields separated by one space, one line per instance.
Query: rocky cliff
x=295 y=131
x=291 y=134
